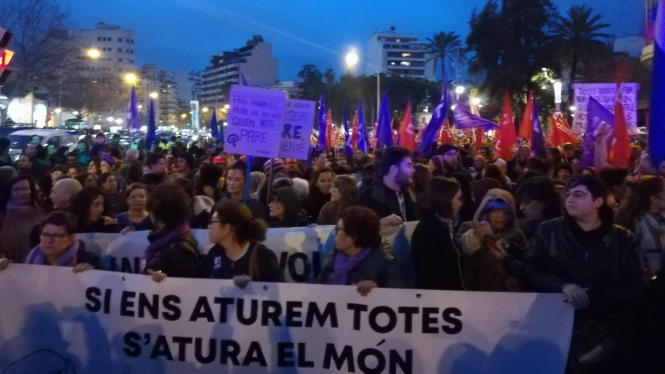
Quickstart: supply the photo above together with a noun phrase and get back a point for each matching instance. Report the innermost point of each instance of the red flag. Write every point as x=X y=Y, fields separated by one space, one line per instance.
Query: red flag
x=480 y=139
x=620 y=150
x=329 y=131
x=526 y=127
x=407 y=137
x=560 y=132
x=506 y=135
x=445 y=135
x=354 y=136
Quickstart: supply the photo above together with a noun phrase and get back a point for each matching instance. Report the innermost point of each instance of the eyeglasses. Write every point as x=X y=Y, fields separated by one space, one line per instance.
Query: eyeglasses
x=54 y=237
x=577 y=195
x=338 y=229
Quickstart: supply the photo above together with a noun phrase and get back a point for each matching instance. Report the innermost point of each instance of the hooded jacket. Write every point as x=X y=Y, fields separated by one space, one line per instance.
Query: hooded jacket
x=483 y=272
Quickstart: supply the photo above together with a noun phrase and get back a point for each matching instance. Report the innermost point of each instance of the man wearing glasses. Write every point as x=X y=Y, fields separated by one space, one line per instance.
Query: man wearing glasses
x=594 y=263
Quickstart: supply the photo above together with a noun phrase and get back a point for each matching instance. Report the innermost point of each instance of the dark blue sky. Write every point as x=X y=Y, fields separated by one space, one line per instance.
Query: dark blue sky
x=179 y=33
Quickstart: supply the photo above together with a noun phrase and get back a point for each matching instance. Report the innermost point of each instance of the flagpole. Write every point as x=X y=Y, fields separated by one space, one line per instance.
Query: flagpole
x=248 y=176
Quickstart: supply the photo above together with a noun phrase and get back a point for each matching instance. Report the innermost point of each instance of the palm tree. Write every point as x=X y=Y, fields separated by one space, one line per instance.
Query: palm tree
x=445 y=46
x=578 y=34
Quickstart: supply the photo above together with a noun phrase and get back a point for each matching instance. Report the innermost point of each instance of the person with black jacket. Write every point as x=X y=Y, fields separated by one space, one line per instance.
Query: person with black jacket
x=319 y=193
x=156 y=169
x=285 y=209
x=390 y=197
x=593 y=262
x=436 y=258
x=237 y=253
x=173 y=251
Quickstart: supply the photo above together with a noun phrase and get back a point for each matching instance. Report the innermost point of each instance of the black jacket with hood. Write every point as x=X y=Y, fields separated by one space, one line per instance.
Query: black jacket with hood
x=294 y=215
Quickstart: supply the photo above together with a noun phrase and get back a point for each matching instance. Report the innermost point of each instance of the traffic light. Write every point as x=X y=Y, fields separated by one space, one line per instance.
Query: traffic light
x=5 y=55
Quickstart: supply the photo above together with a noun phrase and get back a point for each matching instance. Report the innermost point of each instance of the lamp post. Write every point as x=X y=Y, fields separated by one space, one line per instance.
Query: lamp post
x=459 y=90
x=352 y=59
x=557 y=93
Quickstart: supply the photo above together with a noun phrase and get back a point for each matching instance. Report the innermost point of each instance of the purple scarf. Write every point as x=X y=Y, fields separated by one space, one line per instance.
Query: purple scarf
x=344 y=264
x=152 y=248
x=67 y=258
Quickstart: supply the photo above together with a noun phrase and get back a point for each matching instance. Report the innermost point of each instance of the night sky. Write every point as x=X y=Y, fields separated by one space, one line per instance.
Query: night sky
x=185 y=33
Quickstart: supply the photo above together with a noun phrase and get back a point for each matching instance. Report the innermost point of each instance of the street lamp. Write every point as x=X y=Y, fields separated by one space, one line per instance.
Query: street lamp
x=557 y=93
x=110 y=119
x=352 y=59
x=205 y=109
x=93 y=53
x=154 y=95
x=58 y=110
x=227 y=106
x=459 y=90
x=131 y=78
x=476 y=101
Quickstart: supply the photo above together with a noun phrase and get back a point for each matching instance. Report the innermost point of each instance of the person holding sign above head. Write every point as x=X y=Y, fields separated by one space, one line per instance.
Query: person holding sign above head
x=361 y=257
x=173 y=251
x=58 y=246
x=237 y=253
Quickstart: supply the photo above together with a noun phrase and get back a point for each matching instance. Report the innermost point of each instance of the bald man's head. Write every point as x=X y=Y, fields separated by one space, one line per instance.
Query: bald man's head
x=64 y=191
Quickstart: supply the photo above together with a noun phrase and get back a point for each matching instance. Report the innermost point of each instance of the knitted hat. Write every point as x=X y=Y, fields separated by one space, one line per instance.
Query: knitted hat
x=219 y=160
x=210 y=174
x=277 y=166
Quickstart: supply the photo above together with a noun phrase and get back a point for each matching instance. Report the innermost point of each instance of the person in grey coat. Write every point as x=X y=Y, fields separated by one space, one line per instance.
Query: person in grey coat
x=361 y=257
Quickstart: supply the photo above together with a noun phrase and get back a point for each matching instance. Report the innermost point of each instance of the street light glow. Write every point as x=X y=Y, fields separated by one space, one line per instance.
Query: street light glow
x=205 y=109
x=183 y=115
x=58 y=110
x=110 y=119
x=227 y=106
x=459 y=90
x=557 y=91
x=475 y=101
x=572 y=108
x=131 y=78
x=351 y=59
x=154 y=95
x=94 y=53
x=118 y=121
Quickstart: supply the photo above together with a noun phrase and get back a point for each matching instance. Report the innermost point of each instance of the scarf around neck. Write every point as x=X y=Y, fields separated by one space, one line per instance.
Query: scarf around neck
x=152 y=248
x=344 y=264
x=66 y=259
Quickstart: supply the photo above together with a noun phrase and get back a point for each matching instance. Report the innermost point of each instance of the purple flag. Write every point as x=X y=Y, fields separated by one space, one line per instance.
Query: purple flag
x=464 y=119
x=151 y=136
x=431 y=131
x=322 y=124
x=133 y=120
x=597 y=136
x=384 y=136
x=362 y=130
x=537 y=141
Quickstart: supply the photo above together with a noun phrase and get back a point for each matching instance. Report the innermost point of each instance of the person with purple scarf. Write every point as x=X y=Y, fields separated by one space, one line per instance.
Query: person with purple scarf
x=361 y=257
x=58 y=246
x=173 y=249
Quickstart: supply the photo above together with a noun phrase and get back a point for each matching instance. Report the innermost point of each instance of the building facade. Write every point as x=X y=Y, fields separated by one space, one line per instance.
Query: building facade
x=160 y=82
x=190 y=85
x=399 y=54
x=116 y=48
x=254 y=62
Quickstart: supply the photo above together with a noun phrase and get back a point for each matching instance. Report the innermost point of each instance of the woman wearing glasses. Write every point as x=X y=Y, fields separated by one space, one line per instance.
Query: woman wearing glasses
x=360 y=257
x=58 y=246
x=237 y=253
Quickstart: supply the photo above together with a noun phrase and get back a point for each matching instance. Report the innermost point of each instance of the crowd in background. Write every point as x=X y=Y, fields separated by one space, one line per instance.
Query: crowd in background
x=535 y=223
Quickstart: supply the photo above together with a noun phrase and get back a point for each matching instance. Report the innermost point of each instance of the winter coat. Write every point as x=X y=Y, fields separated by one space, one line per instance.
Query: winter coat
x=294 y=215
x=16 y=226
x=384 y=202
x=436 y=258
x=483 y=272
x=604 y=261
x=380 y=267
x=179 y=257
x=313 y=202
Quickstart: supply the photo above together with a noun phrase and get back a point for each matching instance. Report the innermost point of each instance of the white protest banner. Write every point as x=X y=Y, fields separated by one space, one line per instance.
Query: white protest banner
x=605 y=94
x=105 y=322
x=300 y=250
x=255 y=121
x=297 y=133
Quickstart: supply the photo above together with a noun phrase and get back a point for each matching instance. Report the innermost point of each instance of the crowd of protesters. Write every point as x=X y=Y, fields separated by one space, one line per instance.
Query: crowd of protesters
x=535 y=223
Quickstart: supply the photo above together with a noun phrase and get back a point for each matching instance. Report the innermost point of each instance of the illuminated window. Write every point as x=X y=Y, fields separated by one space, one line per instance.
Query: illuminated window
x=406 y=54
x=405 y=63
x=392 y=63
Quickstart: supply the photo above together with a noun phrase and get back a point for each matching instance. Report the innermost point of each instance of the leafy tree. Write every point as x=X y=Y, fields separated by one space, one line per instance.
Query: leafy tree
x=511 y=42
x=577 y=36
x=445 y=46
x=311 y=83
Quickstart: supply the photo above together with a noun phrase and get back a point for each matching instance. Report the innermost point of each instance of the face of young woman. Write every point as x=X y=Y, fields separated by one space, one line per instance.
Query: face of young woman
x=335 y=194
x=324 y=182
x=20 y=193
x=276 y=209
x=137 y=199
x=497 y=219
x=96 y=208
x=235 y=181
x=92 y=168
x=111 y=184
x=456 y=203
x=105 y=166
x=217 y=231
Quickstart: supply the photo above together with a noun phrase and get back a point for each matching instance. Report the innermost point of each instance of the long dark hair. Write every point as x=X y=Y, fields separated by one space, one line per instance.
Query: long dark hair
x=438 y=197
x=541 y=189
x=421 y=177
x=81 y=205
x=245 y=227
x=313 y=188
x=7 y=193
x=347 y=188
x=639 y=201
x=495 y=172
